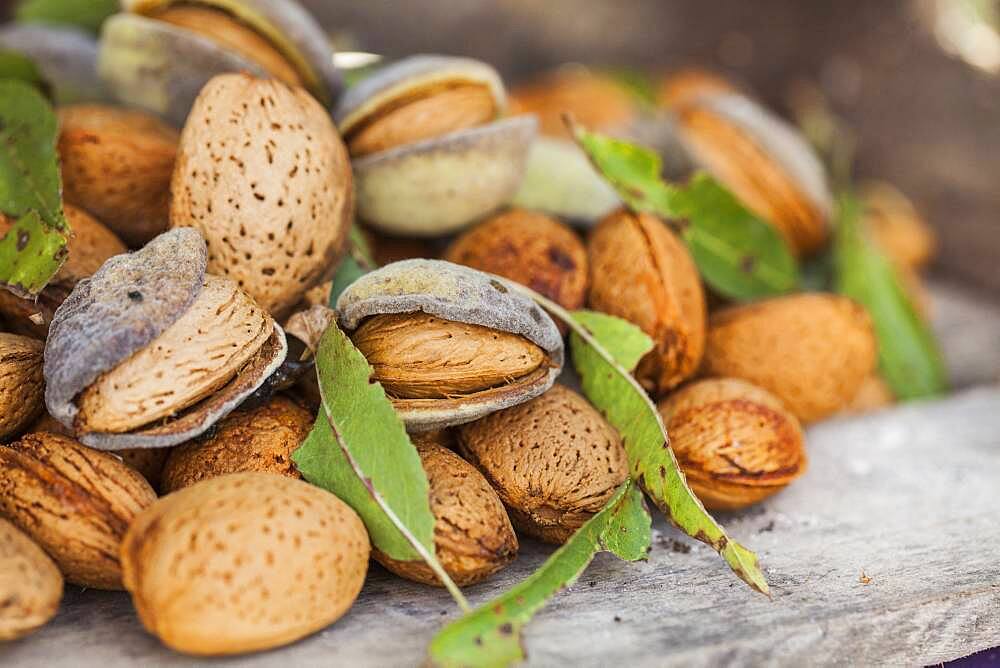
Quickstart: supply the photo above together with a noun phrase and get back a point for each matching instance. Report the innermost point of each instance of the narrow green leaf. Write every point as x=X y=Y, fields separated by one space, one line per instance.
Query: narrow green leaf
x=639 y=84
x=625 y=342
x=738 y=254
x=491 y=634
x=357 y=262
x=359 y=450
x=30 y=190
x=14 y=65
x=85 y=14
x=909 y=357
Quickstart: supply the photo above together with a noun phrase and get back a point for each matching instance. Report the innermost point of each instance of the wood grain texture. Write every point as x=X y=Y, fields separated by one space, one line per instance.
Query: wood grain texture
x=905 y=497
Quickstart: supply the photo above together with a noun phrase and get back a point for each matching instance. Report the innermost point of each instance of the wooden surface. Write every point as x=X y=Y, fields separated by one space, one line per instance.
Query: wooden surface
x=906 y=497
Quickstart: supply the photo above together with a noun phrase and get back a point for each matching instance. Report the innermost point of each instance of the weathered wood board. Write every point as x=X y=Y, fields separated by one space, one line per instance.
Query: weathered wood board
x=906 y=498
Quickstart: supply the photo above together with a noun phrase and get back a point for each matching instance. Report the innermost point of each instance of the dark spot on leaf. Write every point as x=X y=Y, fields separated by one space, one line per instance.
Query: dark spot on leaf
x=479 y=640
x=506 y=629
x=682 y=224
x=498 y=286
x=135 y=295
x=22 y=240
x=498 y=609
x=748 y=263
x=561 y=259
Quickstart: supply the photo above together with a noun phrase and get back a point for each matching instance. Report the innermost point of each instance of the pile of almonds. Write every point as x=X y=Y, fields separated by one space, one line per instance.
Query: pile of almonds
x=148 y=416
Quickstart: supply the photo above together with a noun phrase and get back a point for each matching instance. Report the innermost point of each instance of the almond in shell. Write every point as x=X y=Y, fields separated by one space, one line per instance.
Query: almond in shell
x=243 y=562
x=30 y=584
x=21 y=383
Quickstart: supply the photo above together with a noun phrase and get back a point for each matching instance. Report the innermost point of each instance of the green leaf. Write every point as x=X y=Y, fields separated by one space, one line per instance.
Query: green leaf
x=625 y=342
x=491 y=634
x=85 y=14
x=639 y=84
x=357 y=262
x=359 y=450
x=909 y=357
x=30 y=190
x=14 y=65
x=739 y=255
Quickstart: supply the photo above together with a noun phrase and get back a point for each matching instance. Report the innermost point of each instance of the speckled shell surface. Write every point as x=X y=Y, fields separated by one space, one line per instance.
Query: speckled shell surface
x=288 y=25
x=400 y=78
x=66 y=57
x=439 y=185
x=160 y=68
x=461 y=294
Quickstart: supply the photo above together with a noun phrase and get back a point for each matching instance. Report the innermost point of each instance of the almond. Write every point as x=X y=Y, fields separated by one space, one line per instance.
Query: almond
x=736 y=443
x=528 y=248
x=21 y=383
x=874 y=394
x=30 y=584
x=897 y=227
x=473 y=537
x=262 y=173
x=554 y=461
x=641 y=271
x=596 y=101
x=73 y=501
x=116 y=164
x=243 y=562
x=812 y=351
x=261 y=438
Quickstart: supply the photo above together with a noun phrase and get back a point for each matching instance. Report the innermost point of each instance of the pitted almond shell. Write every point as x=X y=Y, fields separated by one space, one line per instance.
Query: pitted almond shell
x=262 y=173
x=437 y=186
x=90 y=245
x=66 y=57
x=417 y=77
x=641 y=271
x=30 y=584
x=736 y=443
x=897 y=227
x=197 y=355
x=116 y=164
x=596 y=101
x=21 y=383
x=764 y=161
x=528 y=248
x=286 y=25
x=46 y=474
x=813 y=350
x=458 y=294
x=261 y=438
x=421 y=356
x=554 y=461
x=473 y=537
x=243 y=562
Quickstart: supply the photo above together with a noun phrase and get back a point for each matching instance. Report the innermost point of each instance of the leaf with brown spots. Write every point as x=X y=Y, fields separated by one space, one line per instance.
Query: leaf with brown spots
x=34 y=247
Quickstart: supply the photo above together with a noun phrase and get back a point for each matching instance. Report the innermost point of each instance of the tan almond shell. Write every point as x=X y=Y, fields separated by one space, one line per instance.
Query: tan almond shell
x=458 y=294
x=44 y=474
x=262 y=173
x=528 y=248
x=90 y=245
x=736 y=443
x=261 y=438
x=596 y=101
x=473 y=537
x=554 y=461
x=196 y=356
x=403 y=79
x=21 y=383
x=764 y=161
x=116 y=164
x=440 y=185
x=690 y=84
x=31 y=585
x=897 y=227
x=641 y=271
x=813 y=350
x=244 y=562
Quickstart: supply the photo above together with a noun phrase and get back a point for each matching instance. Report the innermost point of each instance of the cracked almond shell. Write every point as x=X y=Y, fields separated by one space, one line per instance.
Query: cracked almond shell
x=736 y=443
x=31 y=585
x=457 y=294
x=244 y=562
x=763 y=160
x=21 y=383
x=116 y=164
x=813 y=350
x=262 y=173
x=473 y=537
x=642 y=272
x=46 y=474
x=110 y=327
x=554 y=461
x=261 y=438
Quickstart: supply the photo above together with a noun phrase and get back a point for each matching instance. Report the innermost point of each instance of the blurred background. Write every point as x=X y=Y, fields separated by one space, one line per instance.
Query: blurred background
x=916 y=79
